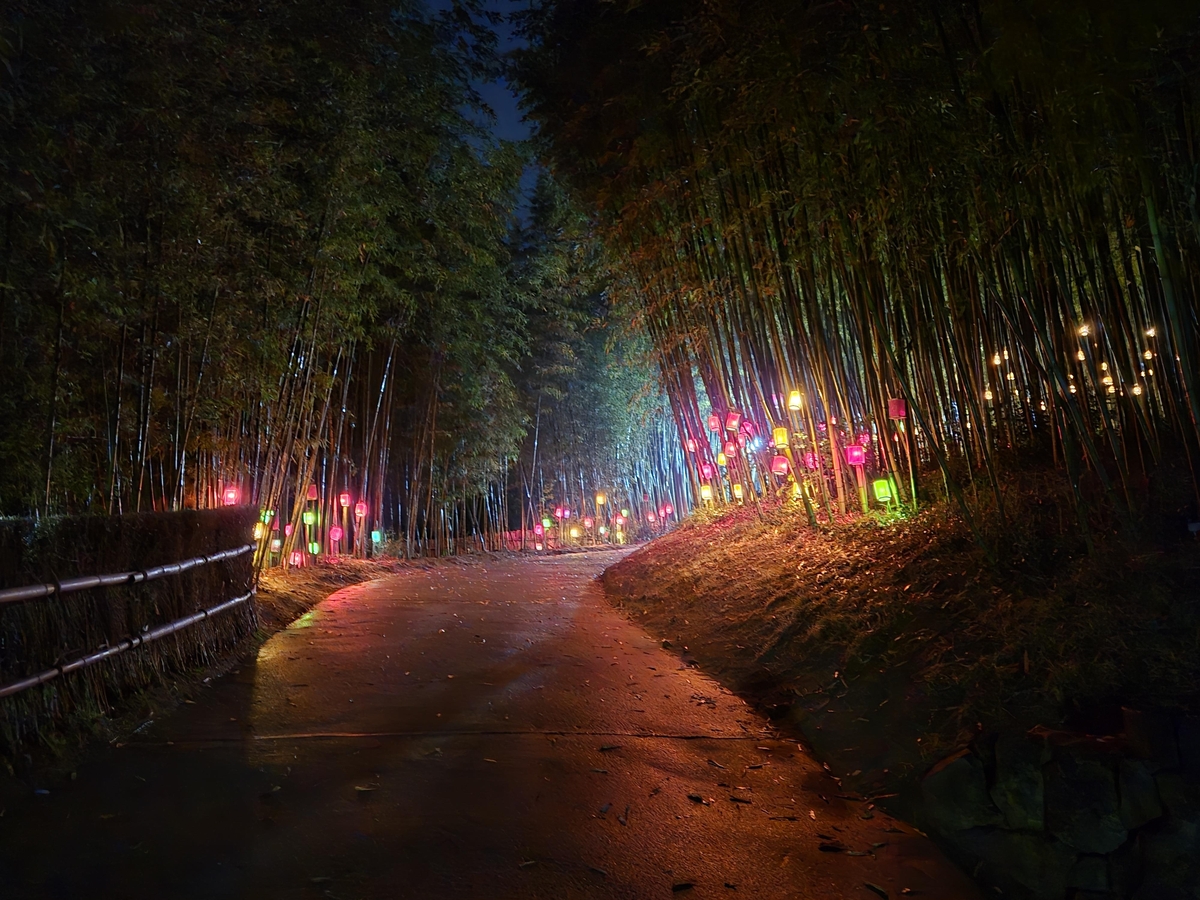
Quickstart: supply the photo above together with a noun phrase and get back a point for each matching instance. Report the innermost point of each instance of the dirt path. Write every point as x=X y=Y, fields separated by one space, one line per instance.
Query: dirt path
x=494 y=730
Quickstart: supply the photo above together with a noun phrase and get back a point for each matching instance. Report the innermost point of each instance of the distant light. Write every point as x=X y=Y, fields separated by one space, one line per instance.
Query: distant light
x=1085 y=330
x=589 y=522
x=1137 y=390
x=537 y=547
x=601 y=499
x=996 y=360
x=259 y=530
x=1011 y=376
x=1150 y=332
x=987 y=395
x=230 y=496
x=1081 y=356
x=1149 y=354
x=625 y=513
x=575 y=532
x=670 y=509
x=650 y=517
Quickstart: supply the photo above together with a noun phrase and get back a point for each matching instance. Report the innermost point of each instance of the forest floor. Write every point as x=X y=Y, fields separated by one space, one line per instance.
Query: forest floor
x=887 y=644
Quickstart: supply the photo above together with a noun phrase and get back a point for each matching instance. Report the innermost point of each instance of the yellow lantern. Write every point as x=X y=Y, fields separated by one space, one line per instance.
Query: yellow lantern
x=575 y=532
x=601 y=499
x=781 y=438
x=737 y=491
x=794 y=401
x=259 y=531
x=706 y=493
x=721 y=460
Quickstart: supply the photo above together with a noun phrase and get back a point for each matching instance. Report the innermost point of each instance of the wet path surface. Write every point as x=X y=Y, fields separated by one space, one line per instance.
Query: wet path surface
x=490 y=730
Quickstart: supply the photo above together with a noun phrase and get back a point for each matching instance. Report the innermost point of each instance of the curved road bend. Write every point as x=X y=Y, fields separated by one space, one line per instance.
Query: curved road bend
x=490 y=730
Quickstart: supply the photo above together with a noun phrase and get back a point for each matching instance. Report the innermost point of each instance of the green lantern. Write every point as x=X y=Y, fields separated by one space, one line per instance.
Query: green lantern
x=883 y=490
x=314 y=548
x=376 y=536
x=310 y=517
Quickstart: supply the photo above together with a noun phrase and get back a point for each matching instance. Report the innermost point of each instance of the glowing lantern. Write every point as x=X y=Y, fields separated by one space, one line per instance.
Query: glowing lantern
x=288 y=529
x=537 y=547
x=539 y=529
x=589 y=522
x=897 y=408
x=621 y=520
x=344 y=499
x=229 y=496
x=738 y=492
x=376 y=536
x=546 y=523
x=733 y=421
x=312 y=492
x=690 y=443
x=601 y=499
x=276 y=544
x=575 y=531
x=670 y=509
x=706 y=493
x=650 y=517
x=721 y=460
x=267 y=515
x=781 y=438
x=559 y=512
x=706 y=470
x=336 y=533
x=855 y=455
x=310 y=517
x=741 y=439
x=259 y=530
x=987 y=395
x=360 y=509
x=662 y=512
x=714 y=422
x=780 y=465
x=794 y=401
x=730 y=449
x=811 y=461
x=883 y=490
x=314 y=548
x=748 y=428
x=603 y=530
x=296 y=558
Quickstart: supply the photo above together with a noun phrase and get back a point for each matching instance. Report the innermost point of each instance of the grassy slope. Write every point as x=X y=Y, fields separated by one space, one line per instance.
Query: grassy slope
x=887 y=644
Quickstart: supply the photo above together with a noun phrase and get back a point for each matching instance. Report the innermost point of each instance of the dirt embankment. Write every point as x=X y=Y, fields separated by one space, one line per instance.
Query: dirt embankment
x=887 y=645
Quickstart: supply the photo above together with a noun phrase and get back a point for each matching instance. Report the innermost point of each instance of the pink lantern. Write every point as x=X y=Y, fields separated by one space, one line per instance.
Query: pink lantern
x=714 y=422
x=733 y=420
x=230 y=496
x=296 y=558
x=620 y=520
x=360 y=509
x=741 y=439
x=855 y=455
x=748 y=428
x=344 y=499
x=588 y=521
x=897 y=408
x=811 y=461
x=335 y=533
x=559 y=512
x=865 y=439
x=690 y=443
x=312 y=492
x=288 y=529
x=670 y=509
x=650 y=517
x=539 y=529
x=780 y=465
x=730 y=449
x=706 y=471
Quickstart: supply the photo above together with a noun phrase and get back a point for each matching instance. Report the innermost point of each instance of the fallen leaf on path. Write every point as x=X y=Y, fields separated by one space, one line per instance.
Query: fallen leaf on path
x=696 y=798
x=600 y=771
x=682 y=886
x=831 y=847
x=607 y=747
x=713 y=762
x=741 y=800
x=875 y=889
x=364 y=788
x=605 y=808
x=526 y=863
x=624 y=820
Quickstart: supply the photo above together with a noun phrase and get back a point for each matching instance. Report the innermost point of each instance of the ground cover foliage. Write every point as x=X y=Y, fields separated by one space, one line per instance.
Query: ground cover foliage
x=910 y=612
x=986 y=208
x=273 y=245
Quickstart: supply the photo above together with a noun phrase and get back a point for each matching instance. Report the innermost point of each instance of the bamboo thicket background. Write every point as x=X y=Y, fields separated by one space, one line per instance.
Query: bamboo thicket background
x=987 y=208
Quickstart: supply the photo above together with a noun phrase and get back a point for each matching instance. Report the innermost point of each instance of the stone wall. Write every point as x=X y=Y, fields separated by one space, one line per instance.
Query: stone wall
x=1053 y=814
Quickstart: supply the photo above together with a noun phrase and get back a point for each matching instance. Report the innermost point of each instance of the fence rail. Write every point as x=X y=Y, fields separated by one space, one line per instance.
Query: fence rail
x=87 y=582
x=151 y=634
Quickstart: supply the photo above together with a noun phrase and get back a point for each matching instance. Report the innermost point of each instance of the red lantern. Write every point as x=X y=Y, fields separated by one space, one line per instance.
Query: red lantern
x=706 y=471
x=670 y=509
x=690 y=443
x=344 y=499
x=288 y=529
x=335 y=533
x=855 y=455
x=230 y=496
x=312 y=492
x=733 y=420
x=650 y=517
x=662 y=512
x=588 y=522
x=714 y=422
x=730 y=449
x=780 y=465
x=360 y=509
x=898 y=408
x=620 y=520
x=297 y=557
x=539 y=529
x=742 y=439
